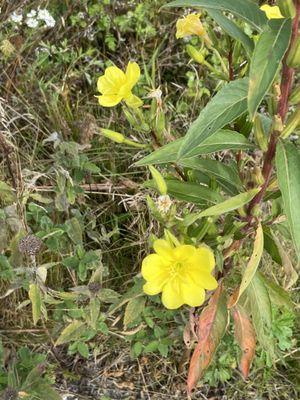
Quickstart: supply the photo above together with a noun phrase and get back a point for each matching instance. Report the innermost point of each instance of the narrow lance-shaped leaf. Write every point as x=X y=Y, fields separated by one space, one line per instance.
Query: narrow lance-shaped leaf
x=190 y=192
x=211 y=327
x=288 y=173
x=232 y=29
x=244 y=9
x=227 y=105
x=36 y=302
x=253 y=262
x=245 y=336
x=261 y=311
x=266 y=59
x=226 y=206
x=224 y=139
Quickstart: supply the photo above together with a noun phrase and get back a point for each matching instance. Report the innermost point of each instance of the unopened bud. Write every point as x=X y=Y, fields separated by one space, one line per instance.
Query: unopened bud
x=293 y=59
x=160 y=122
x=292 y=123
x=259 y=134
x=130 y=118
x=112 y=135
x=287 y=8
x=195 y=54
x=159 y=180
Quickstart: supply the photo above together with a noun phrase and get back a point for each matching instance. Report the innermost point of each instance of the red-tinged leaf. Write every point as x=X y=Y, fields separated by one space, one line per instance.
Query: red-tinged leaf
x=211 y=327
x=245 y=336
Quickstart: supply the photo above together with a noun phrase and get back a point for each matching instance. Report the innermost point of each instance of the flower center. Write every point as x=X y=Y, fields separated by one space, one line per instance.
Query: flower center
x=176 y=268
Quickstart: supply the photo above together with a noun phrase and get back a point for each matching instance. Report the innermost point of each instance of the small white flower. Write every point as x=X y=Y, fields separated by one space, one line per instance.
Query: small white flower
x=31 y=14
x=16 y=17
x=32 y=22
x=164 y=203
x=43 y=14
x=50 y=22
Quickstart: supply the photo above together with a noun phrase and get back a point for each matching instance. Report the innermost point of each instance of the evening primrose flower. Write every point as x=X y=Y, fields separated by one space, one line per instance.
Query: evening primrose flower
x=181 y=273
x=272 y=12
x=115 y=86
x=189 y=25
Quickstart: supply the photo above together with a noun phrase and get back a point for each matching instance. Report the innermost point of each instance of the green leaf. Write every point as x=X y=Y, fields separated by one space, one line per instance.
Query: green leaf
x=83 y=349
x=233 y=30
x=277 y=294
x=94 y=312
x=133 y=310
x=261 y=312
x=223 y=139
x=271 y=246
x=226 y=206
x=267 y=56
x=189 y=192
x=74 y=230
x=245 y=9
x=215 y=168
x=6 y=193
x=227 y=105
x=71 y=332
x=253 y=263
x=288 y=173
x=36 y=302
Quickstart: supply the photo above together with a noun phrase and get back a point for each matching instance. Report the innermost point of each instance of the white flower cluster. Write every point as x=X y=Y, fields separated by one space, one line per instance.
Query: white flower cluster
x=33 y=18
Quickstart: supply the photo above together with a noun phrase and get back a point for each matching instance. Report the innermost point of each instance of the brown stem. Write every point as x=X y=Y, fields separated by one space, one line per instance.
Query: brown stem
x=230 y=63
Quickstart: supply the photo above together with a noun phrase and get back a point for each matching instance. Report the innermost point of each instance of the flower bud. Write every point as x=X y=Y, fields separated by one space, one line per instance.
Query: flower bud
x=112 y=135
x=295 y=96
x=287 y=8
x=130 y=118
x=259 y=134
x=159 y=180
x=292 y=123
x=195 y=54
x=293 y=59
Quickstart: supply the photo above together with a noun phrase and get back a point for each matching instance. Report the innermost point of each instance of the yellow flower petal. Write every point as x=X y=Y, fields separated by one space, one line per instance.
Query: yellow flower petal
x=152 y=288
x=163 y=249
x=193 y=295
x=109 y=100
x=189 y=25
x=272 y=12
x=104 y=86
x=171 y=295
x=203 y=258
x=202 y=278
x=133 y=101
x=152 y=266
x=184 y=252
x=132 y=73
x=115 y=76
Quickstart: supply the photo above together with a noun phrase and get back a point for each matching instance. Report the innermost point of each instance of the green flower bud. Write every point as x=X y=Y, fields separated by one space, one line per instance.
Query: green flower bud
x=195 y=54
x=112 y=135
x=159 y=180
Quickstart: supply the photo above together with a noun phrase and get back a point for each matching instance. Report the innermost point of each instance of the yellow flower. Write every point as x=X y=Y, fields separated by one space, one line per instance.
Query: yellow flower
x=180 y=272
x=189 y=25
x=115 y=86
x=271 y=12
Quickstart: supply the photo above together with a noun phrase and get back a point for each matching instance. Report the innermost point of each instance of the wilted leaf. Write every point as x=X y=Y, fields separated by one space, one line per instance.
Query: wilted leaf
x=71 y=332
x=277 y=294
x=245 y=336
x=36 y=302
x=211 y=327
